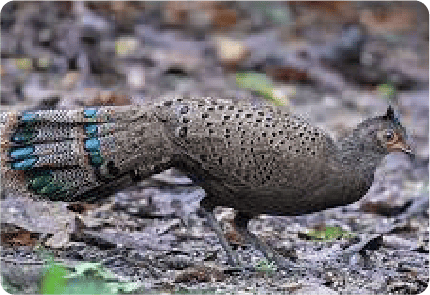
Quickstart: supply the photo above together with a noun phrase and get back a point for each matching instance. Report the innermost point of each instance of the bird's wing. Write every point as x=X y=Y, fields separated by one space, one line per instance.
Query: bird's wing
x=245 y=145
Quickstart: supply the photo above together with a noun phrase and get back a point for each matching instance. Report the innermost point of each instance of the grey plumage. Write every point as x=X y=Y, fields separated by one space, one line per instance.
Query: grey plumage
x=254 y=159
x=266 y=160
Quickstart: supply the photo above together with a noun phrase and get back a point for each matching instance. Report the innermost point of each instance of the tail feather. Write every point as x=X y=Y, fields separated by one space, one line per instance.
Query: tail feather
x=74 y=154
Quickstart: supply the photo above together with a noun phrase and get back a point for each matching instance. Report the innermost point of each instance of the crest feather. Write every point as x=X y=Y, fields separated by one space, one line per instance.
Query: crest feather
x=390 y=114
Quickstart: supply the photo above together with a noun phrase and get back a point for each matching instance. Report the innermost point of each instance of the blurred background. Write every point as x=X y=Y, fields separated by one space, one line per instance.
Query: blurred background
x=335 y=63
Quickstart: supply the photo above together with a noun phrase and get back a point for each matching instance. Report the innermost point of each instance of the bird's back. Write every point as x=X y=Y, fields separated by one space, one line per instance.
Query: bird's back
x=257 y=159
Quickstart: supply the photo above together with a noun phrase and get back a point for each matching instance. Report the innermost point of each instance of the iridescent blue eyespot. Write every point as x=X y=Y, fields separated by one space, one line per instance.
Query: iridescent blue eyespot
x=90 y=113
x=25 y=164
x=21 y=153
x=91 y=130
x=96 y=158
x=39 y=182
x=26 y=135
x=49 y=188
x=92 y=144
x=28 y=117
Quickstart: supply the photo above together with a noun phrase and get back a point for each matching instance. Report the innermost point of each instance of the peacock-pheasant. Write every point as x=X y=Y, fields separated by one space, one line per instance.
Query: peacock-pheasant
x=256 y=159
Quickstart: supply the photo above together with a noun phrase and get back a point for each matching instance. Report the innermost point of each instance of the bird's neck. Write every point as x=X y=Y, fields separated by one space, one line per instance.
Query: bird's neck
x=359 y=156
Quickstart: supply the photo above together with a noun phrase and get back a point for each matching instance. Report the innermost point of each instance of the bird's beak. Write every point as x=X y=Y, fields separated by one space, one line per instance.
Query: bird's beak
x=401 y=145
x=407 y=150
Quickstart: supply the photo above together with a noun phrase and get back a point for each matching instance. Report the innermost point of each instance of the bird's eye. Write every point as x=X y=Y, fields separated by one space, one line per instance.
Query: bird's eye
x=389 y=135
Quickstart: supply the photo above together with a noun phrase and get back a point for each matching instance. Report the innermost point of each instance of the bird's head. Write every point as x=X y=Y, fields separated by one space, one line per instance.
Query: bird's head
x=383 y=134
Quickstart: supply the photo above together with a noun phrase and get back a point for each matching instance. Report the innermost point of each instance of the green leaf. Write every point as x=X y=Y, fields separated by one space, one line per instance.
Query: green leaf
x=54 y=281
x=329 y=234
x=259 y=83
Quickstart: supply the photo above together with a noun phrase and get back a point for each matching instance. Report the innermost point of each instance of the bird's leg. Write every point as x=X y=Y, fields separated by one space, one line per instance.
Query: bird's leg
x=233 y=259
x=241 y=225
x=241 y=222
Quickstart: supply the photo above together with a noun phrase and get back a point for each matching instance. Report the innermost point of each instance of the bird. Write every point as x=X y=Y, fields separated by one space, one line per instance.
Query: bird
x=257 y=159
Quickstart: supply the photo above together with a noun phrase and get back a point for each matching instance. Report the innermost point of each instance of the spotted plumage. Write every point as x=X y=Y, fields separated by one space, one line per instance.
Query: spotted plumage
x=256 y=159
